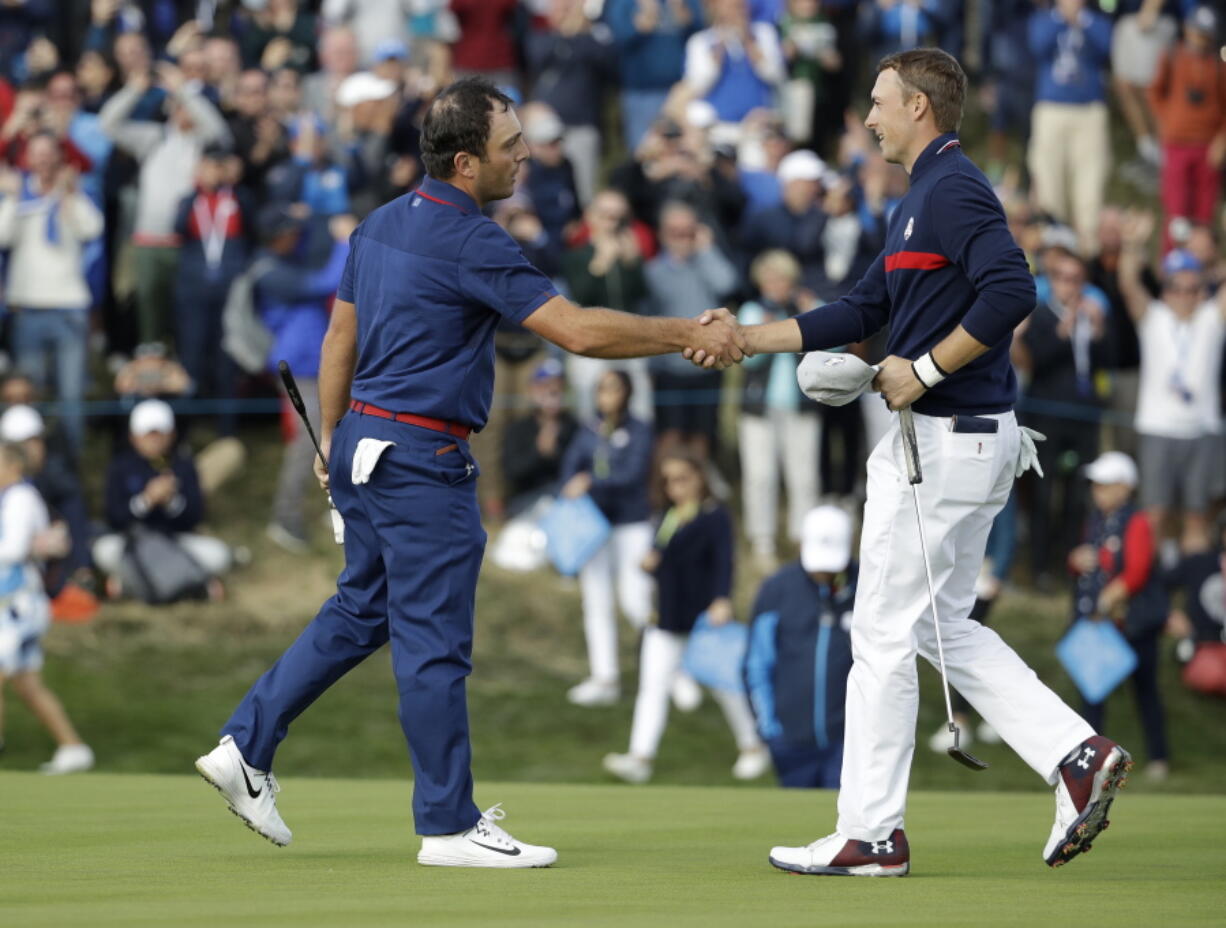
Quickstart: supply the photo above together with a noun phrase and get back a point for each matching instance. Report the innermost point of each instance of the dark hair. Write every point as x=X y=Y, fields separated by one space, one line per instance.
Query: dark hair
x=935 y=74
x=696 y=464
x=459 y=120
x=627 y=386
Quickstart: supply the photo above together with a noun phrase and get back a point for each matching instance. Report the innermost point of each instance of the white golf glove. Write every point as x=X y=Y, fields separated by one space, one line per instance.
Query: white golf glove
x=833 y=378
x=1027 y=454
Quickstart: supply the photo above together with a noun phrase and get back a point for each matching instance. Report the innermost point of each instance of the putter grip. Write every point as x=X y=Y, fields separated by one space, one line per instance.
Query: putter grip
x=291 y=388
x=910 y=445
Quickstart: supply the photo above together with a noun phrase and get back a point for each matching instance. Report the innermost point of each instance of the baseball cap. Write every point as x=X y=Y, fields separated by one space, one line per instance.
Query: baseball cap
x=20 y=422
x=800 y=165
x=362 y=88
x=1180 y=260
x=825 y=540
x=388 y=49
x=1112 y=467
x=548 y=369
x=276 y=218
x=1204 y=19
x=151 y=416
x=543 y=129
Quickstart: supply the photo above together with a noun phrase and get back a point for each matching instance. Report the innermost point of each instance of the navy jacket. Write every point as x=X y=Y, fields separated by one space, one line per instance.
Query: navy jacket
x=620 y=465
x=695 y=568
x=948 y=260
x=799 y=657
x=126 y=479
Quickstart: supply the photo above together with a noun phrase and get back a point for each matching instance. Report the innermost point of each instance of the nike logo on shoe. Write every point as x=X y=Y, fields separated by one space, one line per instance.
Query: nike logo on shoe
x=251 y=790
x=511 y=852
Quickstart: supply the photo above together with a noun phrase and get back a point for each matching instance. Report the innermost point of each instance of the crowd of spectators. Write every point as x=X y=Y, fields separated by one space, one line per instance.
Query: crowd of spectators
x=179 y=178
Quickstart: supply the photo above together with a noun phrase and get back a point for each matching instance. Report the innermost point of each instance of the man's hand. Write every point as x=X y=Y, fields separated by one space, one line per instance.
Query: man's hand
x=320 y=468
x=161 y=490
x=736 y=350
x=896 y=381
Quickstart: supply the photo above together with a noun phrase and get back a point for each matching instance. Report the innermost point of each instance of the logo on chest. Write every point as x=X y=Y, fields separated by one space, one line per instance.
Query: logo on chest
x=910 y=228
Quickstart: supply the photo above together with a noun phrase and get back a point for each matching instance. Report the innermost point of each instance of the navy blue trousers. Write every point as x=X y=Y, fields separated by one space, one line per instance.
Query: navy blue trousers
x=806 y=766
x=413 y=548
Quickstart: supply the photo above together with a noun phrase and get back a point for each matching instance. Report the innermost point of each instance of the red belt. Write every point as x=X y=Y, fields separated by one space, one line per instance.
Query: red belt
x=425 y=422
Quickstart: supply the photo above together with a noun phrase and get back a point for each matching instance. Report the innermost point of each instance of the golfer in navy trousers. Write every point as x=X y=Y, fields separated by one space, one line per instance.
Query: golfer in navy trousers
x=406 y=374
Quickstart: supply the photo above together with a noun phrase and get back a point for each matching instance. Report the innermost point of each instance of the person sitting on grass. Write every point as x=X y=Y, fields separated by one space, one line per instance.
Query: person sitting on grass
x=692 y=565
x=152 y=489
x=26 y=538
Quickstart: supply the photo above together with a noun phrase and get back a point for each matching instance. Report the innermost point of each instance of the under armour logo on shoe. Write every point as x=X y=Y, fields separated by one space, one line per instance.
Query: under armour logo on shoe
x=882 y=847
x=1084 y=760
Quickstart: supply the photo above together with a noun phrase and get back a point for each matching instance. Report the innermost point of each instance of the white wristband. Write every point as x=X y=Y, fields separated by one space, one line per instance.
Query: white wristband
x=927 y=371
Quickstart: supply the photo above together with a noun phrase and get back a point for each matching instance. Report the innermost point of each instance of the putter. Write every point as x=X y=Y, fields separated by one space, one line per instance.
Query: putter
x=295 y=398
x=910 y=447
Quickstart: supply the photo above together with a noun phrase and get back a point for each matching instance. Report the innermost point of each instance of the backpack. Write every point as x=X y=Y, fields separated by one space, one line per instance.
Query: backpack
x=156 y=569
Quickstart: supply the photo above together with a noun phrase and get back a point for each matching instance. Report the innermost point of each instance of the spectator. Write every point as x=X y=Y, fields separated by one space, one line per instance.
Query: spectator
x=371 y=21
x=800 y=652
x=152 y=486
x=533 y=445
x=45 y=220
x=134 y=61
x=300 y=268
x=810 y=48
x=692 y=565
x=259 y=137
x=689 y=274
x=1008 y=78
x=214 y=224
x=167 y=156
x=285 y=95
x=1202 y=621
x=223 y=65
x=1138 y=43
x=30 y=114
x=849 y=242
x=651 y=37
x=780 y=429
x=900 y=25
x=68 y=121
x=1070 y=147
x=610 y=461
x=26 y=539
x=797 y=224
x=735 y=65
x=281 y=35
x=311 y=176
x=484 y=44
x=1066 y=350
x=607 y=270
x=1189 y=98
x=368 y=105
x=95 y=74
x=19 y=26
x=1116 y=581
x=338 y=58
x=550 y=180
x=1179 y=417
x=569 y=62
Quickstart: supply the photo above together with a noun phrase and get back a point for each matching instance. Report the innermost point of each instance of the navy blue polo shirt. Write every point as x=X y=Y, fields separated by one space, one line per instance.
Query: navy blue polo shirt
x=949 y=259
x=430 y=277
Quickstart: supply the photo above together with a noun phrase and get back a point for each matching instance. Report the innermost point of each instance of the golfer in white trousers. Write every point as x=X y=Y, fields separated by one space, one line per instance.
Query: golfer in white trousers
x=952 y=284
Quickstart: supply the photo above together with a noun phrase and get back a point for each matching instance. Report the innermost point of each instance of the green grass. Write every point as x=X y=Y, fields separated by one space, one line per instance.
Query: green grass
x=134 y=851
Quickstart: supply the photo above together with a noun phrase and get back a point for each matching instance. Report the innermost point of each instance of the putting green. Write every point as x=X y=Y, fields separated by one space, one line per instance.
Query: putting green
x=114 y=850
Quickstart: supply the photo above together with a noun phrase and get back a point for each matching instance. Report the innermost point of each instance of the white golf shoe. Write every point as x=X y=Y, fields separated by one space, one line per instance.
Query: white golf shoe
x=1086 y=785
x=685 y=692
x=751 y=763
x=593 y=692
x=69 y=758
x=627 y=767
x=250 y=793
x=486 y=844
x=837 y=855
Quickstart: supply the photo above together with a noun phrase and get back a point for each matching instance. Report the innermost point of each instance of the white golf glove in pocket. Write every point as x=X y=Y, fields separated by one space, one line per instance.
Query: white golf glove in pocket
x=1027 y=453
x=833 y=378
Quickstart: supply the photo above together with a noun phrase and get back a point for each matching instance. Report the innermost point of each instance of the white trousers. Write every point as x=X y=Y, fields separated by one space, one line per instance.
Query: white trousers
x=615 y=571
x=783 y=442
x=212 y=554
x=658 y=667
x=967 y=478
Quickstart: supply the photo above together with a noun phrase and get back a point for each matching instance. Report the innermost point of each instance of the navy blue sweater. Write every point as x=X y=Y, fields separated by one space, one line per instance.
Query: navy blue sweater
x=948 y=260
x=695 y=568
x=126 y=479
x=799 y=657
x=620 y=465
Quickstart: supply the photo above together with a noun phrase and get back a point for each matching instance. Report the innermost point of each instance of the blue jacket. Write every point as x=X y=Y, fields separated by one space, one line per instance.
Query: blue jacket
x=695 y=568
x=126 y=478
x=799 y=657
x=949 y=259
x=652 y=60
x=620 y=465
x=1070 y=59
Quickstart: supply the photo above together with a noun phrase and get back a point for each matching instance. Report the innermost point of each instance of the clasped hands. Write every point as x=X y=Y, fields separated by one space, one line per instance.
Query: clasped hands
x=719 y=342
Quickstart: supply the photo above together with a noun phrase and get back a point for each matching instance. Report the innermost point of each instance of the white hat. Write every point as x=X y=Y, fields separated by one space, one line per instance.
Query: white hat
x=1112 y=467
x=699 y=114
x=151 y=416
x=800 y=165
x=362 y=88
x=825 y=540
x=543 y=128
x=20 y=422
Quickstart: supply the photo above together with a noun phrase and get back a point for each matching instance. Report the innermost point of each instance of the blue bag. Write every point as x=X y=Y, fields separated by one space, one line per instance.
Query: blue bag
x=715 y=654
x=1097 y=657
x=575 y=529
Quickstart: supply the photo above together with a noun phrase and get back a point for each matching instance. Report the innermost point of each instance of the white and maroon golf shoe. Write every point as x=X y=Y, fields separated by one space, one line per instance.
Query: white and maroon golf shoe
x=837 y=855
x=1086 y=785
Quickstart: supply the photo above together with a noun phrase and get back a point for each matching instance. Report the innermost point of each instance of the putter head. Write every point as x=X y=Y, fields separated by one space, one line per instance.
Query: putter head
x=961 y=756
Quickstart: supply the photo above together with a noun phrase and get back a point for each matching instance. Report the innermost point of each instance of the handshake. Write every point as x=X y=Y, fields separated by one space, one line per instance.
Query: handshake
x=719 y=341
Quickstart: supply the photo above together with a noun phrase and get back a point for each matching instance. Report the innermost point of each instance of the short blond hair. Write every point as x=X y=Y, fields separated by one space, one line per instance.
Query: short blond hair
x=777 y=260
